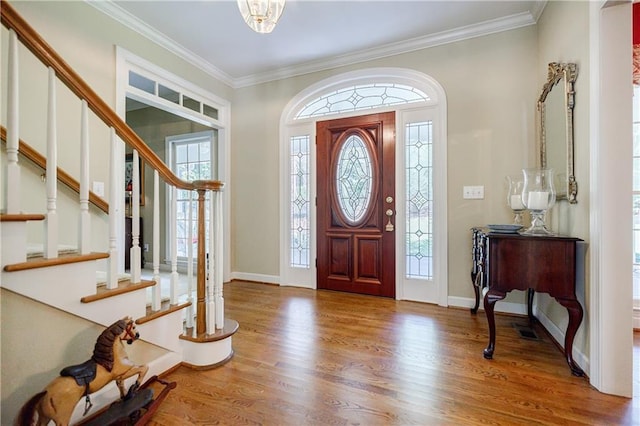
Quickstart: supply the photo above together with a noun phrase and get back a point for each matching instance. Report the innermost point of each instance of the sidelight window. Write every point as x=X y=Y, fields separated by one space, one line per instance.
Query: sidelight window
x=419 y=200
x=300 y=202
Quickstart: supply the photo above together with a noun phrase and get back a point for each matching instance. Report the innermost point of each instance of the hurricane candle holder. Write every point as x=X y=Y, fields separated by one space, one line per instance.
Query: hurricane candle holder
x=514 y=197
x=538 y=195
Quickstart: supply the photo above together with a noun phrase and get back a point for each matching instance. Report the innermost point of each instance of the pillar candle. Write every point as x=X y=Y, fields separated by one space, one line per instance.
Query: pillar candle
x=516 y=202
x=538 y=200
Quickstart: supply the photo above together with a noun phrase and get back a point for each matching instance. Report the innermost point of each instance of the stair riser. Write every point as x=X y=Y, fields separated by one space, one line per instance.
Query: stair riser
x=14 y=243
x=164 y=331
x=62 y=287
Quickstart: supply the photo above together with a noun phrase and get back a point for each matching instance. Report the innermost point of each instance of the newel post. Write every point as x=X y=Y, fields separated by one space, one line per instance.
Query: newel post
x=201 y=309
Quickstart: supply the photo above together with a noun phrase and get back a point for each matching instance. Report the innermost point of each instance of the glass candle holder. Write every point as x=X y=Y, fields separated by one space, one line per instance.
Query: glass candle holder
x=514 y=197
x=538 y=195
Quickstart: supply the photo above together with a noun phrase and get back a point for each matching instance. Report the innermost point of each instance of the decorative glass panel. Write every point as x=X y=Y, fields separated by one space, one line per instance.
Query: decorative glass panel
x=190 y=103
x=169 y=94
x=210 y=111
x=142 y=83
x=300 y=202
x=419 y=196
x=354 y=179
x=361 y=97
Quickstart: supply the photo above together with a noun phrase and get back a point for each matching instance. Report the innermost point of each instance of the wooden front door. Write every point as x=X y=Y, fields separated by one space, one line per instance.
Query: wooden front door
x=356 y=204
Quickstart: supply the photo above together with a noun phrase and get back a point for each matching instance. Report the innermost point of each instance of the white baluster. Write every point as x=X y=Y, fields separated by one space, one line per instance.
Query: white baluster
x=211 y=305
x=155 y=292
x=51 y=223
x=219 y=244
x=13 y=122
x=112 y=273
x=174 y=247
x=190 y=308
x=135 y=253
x=84 y=231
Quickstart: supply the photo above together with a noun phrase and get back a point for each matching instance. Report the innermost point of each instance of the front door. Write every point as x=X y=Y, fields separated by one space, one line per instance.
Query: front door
x=356 y=204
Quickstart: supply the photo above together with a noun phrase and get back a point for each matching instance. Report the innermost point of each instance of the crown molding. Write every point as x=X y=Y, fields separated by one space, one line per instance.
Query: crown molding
x=459 y=34
x=127 y=19
x=445 y=37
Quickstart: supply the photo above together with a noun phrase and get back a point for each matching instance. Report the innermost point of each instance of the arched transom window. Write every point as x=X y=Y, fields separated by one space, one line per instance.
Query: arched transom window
x=361 y=97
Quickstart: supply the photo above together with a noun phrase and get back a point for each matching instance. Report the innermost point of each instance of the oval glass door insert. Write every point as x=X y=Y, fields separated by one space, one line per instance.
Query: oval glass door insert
x=354 y=179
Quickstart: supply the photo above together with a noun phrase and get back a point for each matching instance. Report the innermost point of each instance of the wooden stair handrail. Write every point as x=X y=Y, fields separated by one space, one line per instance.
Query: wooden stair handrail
x=39 y=160
x=50 y=58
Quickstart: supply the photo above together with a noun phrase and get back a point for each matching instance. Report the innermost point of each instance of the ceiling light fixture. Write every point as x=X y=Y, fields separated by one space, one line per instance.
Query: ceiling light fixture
x=261 y=15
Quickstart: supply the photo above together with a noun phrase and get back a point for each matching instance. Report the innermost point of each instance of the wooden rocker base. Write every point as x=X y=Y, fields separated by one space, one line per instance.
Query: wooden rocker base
x=136 y=410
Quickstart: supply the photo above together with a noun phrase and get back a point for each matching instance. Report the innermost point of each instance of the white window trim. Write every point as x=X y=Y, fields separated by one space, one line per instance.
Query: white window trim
x=435 y=110
x=126 y=61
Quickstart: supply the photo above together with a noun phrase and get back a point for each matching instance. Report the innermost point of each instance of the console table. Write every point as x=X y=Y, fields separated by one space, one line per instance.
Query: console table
x=546 y=264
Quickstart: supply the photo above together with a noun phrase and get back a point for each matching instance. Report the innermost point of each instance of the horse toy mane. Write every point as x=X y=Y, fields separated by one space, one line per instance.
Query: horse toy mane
x=103 y=350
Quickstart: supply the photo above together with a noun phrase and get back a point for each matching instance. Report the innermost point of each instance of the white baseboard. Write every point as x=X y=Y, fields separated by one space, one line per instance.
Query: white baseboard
x=269 y=279
x=580 y=358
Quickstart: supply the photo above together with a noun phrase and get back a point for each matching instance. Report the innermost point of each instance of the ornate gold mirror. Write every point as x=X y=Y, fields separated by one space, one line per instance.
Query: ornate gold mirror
x=555 y=117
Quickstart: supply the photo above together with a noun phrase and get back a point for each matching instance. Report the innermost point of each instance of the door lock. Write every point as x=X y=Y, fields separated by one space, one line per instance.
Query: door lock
x=389 y=227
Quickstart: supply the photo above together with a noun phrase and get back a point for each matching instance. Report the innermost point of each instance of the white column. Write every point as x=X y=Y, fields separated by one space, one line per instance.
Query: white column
x=190 y=310
x=13 y=181
x=84 y=231
x=112 y=273
x=211 y=274
x=51 y=223
x=174 y=247
x=135 y=254
x=156 y=294
x=219 y=244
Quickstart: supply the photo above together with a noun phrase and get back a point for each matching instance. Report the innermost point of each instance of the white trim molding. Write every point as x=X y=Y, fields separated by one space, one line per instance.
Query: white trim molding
x=492 y=26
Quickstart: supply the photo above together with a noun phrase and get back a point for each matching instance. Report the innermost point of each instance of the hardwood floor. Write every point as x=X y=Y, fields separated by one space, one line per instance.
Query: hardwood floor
x=305 y=357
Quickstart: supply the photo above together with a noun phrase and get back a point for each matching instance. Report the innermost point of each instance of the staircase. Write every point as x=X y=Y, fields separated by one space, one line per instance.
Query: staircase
x=63 y=283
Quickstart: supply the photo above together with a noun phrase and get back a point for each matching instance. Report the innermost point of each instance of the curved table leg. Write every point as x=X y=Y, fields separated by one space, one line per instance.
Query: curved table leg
x=532 y=319
x=490 y=300
x=575 y=317
x=476 y=289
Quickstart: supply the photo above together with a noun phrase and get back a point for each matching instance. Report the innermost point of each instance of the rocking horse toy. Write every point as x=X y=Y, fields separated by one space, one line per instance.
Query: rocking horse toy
x=109 y=362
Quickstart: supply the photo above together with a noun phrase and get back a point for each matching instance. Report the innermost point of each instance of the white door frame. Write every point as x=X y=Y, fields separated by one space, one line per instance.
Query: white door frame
x=126 y=61
x=611 y=294
x=290 y=127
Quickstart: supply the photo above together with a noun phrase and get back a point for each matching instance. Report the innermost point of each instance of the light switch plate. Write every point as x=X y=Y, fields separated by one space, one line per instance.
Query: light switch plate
x=473 y=192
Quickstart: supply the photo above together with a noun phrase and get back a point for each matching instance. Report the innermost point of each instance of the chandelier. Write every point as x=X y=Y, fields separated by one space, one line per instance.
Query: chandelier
x=261 y=15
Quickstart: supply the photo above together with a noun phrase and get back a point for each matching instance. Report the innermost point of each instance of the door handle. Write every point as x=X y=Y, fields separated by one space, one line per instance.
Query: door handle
x=389 y=227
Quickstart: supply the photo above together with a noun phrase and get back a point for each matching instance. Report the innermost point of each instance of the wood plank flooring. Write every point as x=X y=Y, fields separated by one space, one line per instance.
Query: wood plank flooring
x=305 y=357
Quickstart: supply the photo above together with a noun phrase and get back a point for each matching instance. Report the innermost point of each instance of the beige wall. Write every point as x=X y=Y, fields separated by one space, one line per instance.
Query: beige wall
x=491 y=86
x=563 y=36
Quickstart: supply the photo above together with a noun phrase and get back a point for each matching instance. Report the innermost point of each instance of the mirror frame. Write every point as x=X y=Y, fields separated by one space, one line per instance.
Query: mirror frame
x=566 y=73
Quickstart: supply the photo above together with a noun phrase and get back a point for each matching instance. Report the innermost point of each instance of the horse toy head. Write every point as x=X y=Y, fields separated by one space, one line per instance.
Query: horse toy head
x=129 y=334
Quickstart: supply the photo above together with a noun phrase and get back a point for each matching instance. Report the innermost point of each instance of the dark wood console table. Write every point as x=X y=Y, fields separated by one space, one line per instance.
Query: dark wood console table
x=546 y=264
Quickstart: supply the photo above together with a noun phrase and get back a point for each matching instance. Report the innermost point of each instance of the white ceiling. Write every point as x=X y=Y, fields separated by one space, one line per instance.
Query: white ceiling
x=312 y=35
